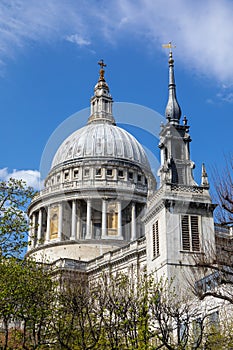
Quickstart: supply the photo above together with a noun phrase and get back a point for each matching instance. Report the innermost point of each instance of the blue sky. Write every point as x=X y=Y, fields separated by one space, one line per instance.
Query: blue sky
x=49 y=51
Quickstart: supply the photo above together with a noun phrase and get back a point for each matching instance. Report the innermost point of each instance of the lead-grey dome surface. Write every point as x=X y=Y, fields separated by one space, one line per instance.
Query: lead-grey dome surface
x=101 y=140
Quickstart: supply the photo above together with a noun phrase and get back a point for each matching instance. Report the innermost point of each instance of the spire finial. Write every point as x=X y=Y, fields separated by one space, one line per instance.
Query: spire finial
x=204 y=177
x=169 y=46
x=173 y=111
x=102 y=65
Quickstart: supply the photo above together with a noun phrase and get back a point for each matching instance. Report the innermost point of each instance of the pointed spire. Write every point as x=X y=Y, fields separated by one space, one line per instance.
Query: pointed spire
x=173 y=111
x=204 y=177
x=101 y=102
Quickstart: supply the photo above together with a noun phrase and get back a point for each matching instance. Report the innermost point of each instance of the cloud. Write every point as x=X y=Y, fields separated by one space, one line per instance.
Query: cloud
x=3 y=173
x=201 y=30
x=77 y=39
x=31 y=177
x=225 y=96
x=23 y=22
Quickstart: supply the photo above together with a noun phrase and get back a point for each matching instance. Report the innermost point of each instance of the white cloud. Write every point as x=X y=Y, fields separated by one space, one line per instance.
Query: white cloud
x=77 y=39
x=3 y=173
x=31 y=177
x=202 y=30
x=226 y=93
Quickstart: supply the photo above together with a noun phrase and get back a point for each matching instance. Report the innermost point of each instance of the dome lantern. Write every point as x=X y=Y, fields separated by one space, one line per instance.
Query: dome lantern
x=101 y=102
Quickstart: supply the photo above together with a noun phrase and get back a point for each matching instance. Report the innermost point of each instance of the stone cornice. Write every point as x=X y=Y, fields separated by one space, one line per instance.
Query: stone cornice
x=109 y=259
x=154 y=210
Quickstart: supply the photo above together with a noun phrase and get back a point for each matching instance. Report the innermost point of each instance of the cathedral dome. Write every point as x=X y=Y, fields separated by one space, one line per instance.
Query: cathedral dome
x=96 y=191
x=103 y=141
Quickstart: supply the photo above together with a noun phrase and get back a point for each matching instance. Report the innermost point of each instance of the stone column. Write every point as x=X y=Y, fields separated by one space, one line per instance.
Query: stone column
x=39 y=236
x=60 y=221
x=119 y=221
x=78 y=219
x=47 y=239
x=88 y=225
x=29 y=235
x=73 y=220
x=133 y=222
x=33 y=230
x=104 y=218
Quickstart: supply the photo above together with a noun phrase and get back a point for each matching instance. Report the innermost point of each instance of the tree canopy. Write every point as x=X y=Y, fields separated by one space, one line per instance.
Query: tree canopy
x=15 y=196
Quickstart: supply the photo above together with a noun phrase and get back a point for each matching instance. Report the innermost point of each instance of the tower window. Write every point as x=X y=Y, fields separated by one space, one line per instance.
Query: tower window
x=58 y=178
x=165 y=153
x=178 y=153
x=120 y=173
x=190 y=233
x=178 y=174
x=155 y=238
x=139 y=177
x=109 y=172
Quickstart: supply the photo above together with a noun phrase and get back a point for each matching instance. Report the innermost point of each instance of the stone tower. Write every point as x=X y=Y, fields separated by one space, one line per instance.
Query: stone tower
x=179 y=216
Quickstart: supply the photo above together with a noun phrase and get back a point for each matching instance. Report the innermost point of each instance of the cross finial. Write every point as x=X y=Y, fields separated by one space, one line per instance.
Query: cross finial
x=102 y=64
x=169 y=46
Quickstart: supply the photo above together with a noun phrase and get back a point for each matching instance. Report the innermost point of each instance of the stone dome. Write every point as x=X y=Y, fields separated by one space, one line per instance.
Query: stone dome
x=96 y=191
x=102 y=141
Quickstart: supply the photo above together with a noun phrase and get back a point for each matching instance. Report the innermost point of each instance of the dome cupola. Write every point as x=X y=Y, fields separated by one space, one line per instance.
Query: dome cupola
x=101 y=102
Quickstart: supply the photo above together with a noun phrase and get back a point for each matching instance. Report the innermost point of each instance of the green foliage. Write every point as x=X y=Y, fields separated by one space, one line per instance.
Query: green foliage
x=43 y=310
x=219 y=336
x=115 y=312
x=14 y=199
x=26 y=297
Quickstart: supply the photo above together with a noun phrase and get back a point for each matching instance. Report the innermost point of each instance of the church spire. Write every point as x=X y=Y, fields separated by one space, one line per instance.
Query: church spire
x=101 y=102
x=176 y=165
x=173 y=111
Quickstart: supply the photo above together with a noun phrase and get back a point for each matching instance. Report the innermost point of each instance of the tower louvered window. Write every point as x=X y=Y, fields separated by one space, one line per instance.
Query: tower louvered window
x=185 y=232
x=155 y=238
x=190 y=233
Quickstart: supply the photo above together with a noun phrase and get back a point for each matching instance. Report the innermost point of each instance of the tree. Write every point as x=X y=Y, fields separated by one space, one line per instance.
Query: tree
x=219 y=335
x=177 y=321
x=115 y=312
x=213 y=275
x=224 y=195
x=126 y=312
x=26 y=303
x=15 y=196
x=77 y=322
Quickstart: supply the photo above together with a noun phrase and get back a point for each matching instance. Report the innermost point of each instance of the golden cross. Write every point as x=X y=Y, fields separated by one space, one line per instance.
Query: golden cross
x=102 y=64
x=169 y=46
